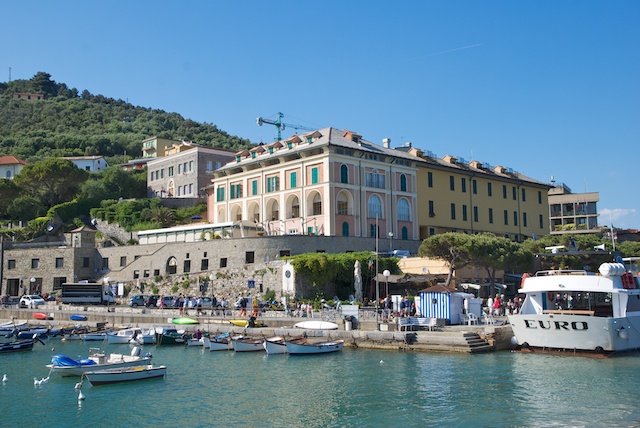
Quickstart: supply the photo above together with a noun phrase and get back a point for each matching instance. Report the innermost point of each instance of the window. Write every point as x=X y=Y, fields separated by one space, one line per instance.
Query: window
x=506 y=217
x=404 y=211
x=524 y=195
x=475 y=214
x=85 y=262
x=474 y=184
x=145 y=273
x=514 y=193
x=403 y=183
x=11 y=264
x=170 y=171
x=489 y=190
x=404 y=233
x=156 y=272
x=249 y=257
x=179 y=168
x=372 y=230
x=293 y=178
x=432 y=212
x=344 y=175
x=452 y=183
x=123 y=261
x=374 y=179
x=186 y=266
x=236 y=191
x=314 y=175
x=463 y=182
x=541 y=220
x=105 y=263
x=539 y=197
x=375 y=207
x=515 y=218
x=204 y=264
x=254 y=187
x=430 y=179
x=136 y=274
x=491 y=215
x=295 y=208
x=209 y=166
x=317 y=205
x=220 y=194
x=223 y=262
x=345 y=229
x=453 y=211
x=504 y=191
x=190 y=165
x=35 y=263
x=342 y=208
x=464 y=213
x=273 y=184
x=524 y=219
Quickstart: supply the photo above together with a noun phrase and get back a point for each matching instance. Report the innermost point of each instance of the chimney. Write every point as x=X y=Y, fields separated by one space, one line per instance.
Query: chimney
x=386 y=143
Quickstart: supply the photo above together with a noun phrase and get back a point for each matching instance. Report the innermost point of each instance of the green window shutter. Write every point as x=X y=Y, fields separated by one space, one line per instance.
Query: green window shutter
x=293 y=180
x=314 y=175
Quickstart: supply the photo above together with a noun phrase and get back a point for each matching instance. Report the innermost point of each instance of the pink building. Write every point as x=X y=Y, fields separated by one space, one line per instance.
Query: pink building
x=327 y=182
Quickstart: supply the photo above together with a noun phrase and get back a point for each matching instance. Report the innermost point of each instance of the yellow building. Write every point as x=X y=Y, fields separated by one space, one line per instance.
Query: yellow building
x=156 y=146
x=473 y=197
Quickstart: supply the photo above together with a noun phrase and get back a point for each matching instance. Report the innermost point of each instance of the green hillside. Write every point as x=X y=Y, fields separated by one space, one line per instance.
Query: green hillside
x=73 y=123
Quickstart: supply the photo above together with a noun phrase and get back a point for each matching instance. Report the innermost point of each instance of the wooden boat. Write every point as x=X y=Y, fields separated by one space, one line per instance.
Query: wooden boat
x=247 y=344
x=77 y=317
x=97 y=360
x=10 y=327
x=300 y=346
x=145 y=337
x=122 y=336
x=125 y=374
x=275 y=345
x=29 y=333
x=96 y=336
x=317 y=325
x=170 y=336
x=221 y=342
x=19 y=345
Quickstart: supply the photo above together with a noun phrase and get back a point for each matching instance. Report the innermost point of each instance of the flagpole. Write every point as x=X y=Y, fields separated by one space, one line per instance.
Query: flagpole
x=377 y=285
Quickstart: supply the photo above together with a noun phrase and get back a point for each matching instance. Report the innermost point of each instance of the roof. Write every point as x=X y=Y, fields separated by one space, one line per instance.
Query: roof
x=11 y=160
x=440 y=289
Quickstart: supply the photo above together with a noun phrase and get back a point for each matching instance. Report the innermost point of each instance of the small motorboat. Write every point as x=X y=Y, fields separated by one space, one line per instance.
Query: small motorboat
x=145 y=337
x=123 y=336
x=247 y=344
x=301 y=346
x=78 y=317
x=10 y=327
x=19 y=345
x=170 y=336
x=96 y=336
x=97 y=360
x=220 y=342
x=124 y=374
x=275 y=345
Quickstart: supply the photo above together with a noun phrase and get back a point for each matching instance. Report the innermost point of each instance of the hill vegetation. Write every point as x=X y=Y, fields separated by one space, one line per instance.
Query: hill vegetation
x=69 y=122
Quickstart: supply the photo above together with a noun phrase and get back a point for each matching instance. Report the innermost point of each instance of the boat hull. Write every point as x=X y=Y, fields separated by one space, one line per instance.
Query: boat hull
x=317 y=325
x=247 y=345
x=108 y=376
x=305 y=348
x=17 y=346
x=79 y=370
x=275 y=345
x=576 y=332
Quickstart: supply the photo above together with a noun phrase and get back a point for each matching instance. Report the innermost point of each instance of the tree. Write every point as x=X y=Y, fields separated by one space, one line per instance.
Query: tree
x=8 y=192
x=453 y=248
x=53 y=180
x=25 y=208
x=42 y=83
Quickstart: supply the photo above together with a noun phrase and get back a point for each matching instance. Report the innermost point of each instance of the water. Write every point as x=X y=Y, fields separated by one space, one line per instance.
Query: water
x=352 y=388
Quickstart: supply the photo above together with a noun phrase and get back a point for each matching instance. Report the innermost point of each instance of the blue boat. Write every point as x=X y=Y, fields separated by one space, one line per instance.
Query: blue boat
x=78 y=317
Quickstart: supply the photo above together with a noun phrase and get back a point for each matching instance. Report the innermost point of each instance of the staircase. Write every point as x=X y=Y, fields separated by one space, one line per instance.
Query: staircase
x=447 y=341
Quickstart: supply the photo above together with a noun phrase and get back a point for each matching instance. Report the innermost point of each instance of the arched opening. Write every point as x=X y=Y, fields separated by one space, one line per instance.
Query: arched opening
x=172 y=265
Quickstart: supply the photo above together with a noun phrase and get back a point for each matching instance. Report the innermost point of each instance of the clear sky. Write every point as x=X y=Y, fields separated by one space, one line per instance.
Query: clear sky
x=547 y=88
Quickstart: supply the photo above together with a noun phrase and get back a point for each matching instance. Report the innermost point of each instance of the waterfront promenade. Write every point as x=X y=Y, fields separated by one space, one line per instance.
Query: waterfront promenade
x=365 y=332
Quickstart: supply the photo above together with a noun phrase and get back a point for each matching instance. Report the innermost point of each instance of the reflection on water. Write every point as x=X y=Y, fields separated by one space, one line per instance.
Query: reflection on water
x=351 y=388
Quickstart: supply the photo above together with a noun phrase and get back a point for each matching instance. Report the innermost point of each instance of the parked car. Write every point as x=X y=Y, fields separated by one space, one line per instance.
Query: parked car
x=137 y=300
x=151 y=301
x=31 y=301
x=169 y=302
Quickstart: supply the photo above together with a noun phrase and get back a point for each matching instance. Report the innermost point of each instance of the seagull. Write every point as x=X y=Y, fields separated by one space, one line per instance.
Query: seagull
x=5 y=378
x=80 y=396
x=36 y=382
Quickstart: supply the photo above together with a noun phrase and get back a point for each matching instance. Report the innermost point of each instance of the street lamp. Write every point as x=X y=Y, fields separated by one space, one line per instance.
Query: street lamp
x=390 y=243
x=386 y=274
x=33 y=283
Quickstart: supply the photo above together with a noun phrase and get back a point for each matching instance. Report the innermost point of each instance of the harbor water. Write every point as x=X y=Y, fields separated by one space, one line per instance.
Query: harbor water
x=351 y=388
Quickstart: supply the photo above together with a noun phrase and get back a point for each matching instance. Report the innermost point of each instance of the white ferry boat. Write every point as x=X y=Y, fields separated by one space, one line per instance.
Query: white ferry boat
x=574 y=310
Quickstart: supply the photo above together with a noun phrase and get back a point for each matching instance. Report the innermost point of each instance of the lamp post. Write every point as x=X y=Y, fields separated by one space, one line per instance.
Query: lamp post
x=377 y=284
x=390 y=243
x=386 y=274
x=33 y=283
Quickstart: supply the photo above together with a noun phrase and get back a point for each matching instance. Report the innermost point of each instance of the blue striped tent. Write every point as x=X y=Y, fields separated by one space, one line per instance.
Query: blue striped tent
x=442 y=302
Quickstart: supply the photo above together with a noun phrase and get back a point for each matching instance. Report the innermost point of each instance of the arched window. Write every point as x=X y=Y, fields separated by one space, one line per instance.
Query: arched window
x=405 y=233
x=345 y=229
x=375 y=207
x=294 y=207
x=404 y=211
x=316 y=204
x=403 y=183
x=342 y=204
x=344 y=174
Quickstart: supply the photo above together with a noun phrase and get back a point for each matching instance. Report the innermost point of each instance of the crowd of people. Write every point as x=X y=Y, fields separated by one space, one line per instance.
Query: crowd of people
x=501 y=306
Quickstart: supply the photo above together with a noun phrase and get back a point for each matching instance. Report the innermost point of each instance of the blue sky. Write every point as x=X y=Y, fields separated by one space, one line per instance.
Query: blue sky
x=547 y=88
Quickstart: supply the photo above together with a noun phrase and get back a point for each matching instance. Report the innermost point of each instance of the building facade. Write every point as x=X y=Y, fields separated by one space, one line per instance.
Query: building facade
x=27 y=96
x=572 y=212
x=89 y=163
x=328 y=182
x=184 y=172
x=154 y=147
x=10 y=166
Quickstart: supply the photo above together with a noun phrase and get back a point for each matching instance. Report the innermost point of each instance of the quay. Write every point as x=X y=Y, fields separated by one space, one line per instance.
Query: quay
x=448 y=338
